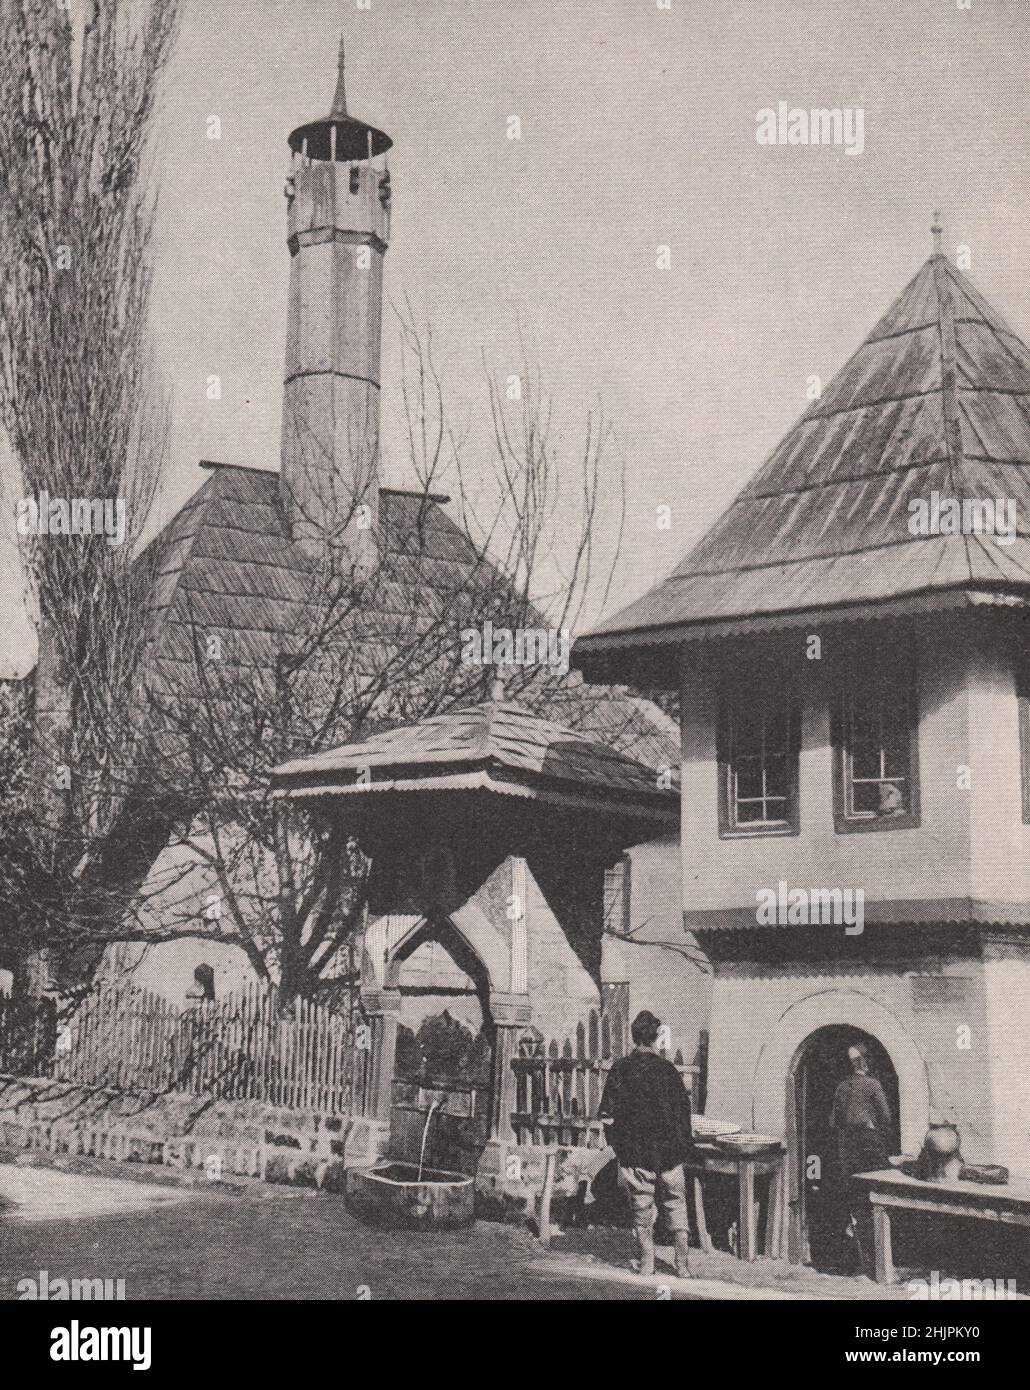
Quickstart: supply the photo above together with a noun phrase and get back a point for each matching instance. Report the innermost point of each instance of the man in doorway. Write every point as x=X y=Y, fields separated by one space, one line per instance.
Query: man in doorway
x=861 y=1120
x=648 y=1109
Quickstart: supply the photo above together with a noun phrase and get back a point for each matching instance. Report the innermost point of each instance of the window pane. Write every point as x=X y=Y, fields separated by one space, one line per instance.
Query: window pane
x=896 y=747
x=865 y=761
x=760 y=775
x=878 y=745
x=777 y=776
x=749 y=777
x=866 y=798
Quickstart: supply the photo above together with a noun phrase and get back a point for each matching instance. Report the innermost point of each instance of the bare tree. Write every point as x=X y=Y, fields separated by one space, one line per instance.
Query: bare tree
x=368 y=652
x=154 y=815
x=84 y=423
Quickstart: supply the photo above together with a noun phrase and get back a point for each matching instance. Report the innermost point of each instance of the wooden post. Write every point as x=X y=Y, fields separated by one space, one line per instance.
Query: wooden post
x=383 y=1008
x=746 y=1227
x=510 y=1013
x=704 y=1240
x=882 y=1237
x=550 y=1163
x=772 y=1214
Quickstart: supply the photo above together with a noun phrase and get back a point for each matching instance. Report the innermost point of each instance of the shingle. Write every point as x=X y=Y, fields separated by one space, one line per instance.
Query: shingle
x=499 y=735
x=826 y=522
x=228 y=568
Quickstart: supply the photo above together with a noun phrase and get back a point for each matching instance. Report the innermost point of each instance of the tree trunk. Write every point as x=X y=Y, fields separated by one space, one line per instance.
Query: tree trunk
x=51 y=755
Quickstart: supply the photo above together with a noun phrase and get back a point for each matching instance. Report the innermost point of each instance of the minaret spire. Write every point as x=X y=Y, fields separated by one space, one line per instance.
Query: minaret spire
x=340 y=99
x=936 y=230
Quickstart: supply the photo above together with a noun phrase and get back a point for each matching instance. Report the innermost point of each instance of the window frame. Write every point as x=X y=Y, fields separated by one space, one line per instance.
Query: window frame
x=904 y=675
x=622 y=926
x=730 y=703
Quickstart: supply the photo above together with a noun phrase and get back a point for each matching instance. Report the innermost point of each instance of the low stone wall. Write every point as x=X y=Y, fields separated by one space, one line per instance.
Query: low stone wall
x=249 y=1139
x=223 y=1138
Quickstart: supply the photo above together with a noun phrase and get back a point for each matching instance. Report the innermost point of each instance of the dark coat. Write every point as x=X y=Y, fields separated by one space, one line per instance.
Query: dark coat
x=860 y=1103
x=650 y=1107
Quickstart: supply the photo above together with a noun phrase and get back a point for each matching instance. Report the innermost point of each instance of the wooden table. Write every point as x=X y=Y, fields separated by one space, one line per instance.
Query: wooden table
x=745 y=1168
x=891 y=1190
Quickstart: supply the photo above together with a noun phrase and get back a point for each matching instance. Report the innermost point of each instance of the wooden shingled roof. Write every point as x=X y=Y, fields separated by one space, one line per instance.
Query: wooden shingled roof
x=225 y=564
x=936 y=399
x=497 y=746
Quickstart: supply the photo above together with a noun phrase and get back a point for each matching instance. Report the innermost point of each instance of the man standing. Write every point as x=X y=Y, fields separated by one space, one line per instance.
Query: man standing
x=648 y=1109
x=861 y=1120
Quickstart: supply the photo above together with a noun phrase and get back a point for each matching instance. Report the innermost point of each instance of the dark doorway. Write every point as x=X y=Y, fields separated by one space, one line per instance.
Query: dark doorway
x=820 y=1064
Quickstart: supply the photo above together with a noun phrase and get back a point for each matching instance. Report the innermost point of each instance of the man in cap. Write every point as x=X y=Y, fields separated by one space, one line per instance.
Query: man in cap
x=648 y=1109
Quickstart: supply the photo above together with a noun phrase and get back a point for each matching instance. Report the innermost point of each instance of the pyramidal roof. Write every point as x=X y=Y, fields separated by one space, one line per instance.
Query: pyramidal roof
x=498 y=745
x=936 y=400
x=225 y=565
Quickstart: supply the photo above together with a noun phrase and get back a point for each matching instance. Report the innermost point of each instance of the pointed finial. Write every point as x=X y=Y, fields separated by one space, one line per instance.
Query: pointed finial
x=936 y=230
x=340 y=99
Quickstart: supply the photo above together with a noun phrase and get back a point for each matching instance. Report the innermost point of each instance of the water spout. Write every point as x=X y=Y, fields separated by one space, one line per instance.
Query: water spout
x=425 y=1135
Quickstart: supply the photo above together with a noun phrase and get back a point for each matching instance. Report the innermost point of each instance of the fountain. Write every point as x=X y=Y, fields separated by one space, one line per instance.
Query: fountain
x=399 y=1193
x=425 y=1135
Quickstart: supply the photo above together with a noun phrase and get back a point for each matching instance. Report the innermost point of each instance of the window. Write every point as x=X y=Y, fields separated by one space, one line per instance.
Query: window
x=876 y=782
x=758 y=765
x=617 y=898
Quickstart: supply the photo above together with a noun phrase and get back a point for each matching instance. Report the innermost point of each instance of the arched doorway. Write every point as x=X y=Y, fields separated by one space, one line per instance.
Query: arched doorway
x=819 y=1065
x=443 y=1064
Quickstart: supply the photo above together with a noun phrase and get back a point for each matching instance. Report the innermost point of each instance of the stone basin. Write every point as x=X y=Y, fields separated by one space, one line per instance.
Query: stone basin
x=392 y=1194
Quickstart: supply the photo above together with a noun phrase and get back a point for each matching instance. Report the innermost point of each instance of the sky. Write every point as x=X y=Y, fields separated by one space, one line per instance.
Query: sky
x=638 y=128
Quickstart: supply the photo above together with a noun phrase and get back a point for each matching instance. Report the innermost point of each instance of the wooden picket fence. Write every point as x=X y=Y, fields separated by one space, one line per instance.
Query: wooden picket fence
x=559 y=1084
x=238 y=1048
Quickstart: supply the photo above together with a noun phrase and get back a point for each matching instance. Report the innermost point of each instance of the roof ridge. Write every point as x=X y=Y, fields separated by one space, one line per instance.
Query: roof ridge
x=949 y=393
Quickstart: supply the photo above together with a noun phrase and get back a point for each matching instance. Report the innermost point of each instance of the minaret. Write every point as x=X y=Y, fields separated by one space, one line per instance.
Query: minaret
x=338 y=191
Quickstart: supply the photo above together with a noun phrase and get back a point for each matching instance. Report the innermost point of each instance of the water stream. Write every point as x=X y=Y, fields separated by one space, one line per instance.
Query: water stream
x=425 y=1135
